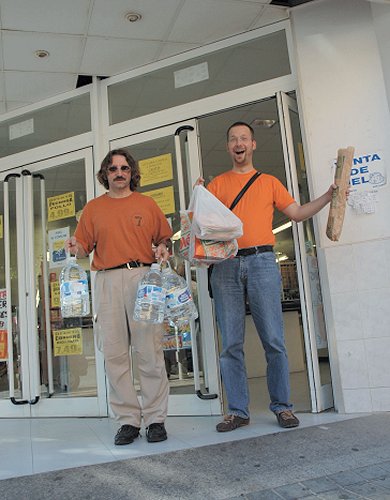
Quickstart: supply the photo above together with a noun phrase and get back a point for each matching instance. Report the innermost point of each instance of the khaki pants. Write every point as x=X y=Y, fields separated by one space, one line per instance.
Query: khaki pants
x=115 y=293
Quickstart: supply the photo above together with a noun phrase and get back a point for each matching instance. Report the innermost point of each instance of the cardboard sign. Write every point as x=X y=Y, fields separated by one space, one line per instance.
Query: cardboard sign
x=60 y=207
x=3 y=345
x=155 y=170
x=68 y=342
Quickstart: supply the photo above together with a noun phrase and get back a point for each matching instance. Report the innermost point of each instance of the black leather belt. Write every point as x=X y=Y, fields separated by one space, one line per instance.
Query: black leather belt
x=128 y=265
x=243 y=252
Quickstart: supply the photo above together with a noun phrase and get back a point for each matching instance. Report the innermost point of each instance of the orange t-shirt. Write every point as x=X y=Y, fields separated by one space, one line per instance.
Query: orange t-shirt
x=121 y=229
x=256 y=207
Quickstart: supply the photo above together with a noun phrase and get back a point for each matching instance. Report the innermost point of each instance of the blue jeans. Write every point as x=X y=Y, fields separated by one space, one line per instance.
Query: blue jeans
x=258 y=277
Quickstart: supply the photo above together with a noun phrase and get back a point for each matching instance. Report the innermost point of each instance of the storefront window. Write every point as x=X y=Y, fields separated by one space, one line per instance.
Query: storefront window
x=46 y=125
x=211 y=74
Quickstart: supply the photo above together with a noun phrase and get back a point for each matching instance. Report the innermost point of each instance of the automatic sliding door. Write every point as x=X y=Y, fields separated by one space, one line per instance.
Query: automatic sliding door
x=52 y=366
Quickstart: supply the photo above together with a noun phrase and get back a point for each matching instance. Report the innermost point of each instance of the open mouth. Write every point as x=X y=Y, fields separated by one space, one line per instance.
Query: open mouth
x=239 y=152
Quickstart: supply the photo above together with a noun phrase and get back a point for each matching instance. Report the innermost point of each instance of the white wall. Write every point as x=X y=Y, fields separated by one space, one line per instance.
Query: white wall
x=381 y=17
x=344 y=102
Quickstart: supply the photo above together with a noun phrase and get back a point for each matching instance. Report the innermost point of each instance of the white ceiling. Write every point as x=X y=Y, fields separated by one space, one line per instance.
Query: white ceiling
x=93 y=37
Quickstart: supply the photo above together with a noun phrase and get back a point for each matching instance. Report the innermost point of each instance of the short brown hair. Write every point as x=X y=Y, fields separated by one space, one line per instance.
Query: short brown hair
x=240 y=124
x=107 y=162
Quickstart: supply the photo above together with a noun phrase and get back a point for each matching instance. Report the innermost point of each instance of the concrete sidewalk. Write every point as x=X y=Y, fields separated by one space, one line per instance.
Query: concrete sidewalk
x=345 y=460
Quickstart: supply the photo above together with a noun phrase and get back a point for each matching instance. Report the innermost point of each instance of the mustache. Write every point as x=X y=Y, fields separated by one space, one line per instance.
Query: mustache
x=119 y=178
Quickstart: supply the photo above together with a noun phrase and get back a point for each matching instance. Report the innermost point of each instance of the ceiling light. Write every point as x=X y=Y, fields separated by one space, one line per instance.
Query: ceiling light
x=282 y=227
x=258 y=122
x=133 y=17
x=41 y=54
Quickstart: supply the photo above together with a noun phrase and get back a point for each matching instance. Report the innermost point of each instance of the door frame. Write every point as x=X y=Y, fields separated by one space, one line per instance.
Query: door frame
x=321 y=395
x=61 y=406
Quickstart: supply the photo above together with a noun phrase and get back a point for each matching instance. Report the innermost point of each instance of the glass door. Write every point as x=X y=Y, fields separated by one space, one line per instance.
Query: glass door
x=268 y=158
x=169 y=164
x=316 y=342
x=48 y=364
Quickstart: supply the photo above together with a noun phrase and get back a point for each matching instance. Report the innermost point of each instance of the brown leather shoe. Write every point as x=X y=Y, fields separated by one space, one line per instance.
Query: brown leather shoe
x=231 y=422
x=287 y=419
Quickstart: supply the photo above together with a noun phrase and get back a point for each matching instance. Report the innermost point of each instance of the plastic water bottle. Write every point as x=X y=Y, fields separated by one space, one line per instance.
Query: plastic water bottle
x=74 y=293
x=179 y=305
x=150 y=300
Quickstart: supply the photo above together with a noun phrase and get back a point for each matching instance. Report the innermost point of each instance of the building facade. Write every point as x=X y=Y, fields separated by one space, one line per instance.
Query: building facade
x=309 y=85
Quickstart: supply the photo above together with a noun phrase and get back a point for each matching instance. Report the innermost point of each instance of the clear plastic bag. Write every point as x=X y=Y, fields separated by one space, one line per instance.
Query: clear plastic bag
x=212 y=251
x=211 y=219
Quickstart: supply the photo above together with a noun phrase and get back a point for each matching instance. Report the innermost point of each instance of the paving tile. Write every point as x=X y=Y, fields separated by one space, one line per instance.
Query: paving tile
x=239 y=497
x=292 y=491
x=369 y=490
x=339 y=494
x=320 y=484
x=262 y=495
x=372 y=472
x=385 y=465
x=383 y=483
x=346 y=477
x=313 y=497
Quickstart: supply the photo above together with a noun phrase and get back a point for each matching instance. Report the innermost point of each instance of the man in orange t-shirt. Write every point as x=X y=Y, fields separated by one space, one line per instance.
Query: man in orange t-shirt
x=120 y=227
x=254 y=274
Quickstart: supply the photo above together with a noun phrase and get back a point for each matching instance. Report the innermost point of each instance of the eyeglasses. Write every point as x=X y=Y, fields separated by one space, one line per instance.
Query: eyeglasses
x=123 y=168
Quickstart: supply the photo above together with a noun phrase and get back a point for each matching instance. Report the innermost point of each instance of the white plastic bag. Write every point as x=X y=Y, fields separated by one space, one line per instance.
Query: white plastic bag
x=203 y=252
x=211 y=237
x=212 y=220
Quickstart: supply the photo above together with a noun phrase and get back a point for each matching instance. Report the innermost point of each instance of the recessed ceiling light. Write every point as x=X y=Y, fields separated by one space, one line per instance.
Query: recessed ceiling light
x=258 y=122
x=133 y=17
x=41 y=54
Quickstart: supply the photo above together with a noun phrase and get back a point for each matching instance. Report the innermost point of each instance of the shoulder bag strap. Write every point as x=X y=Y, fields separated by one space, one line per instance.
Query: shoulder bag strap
x=235 y=201
x=244 y=189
